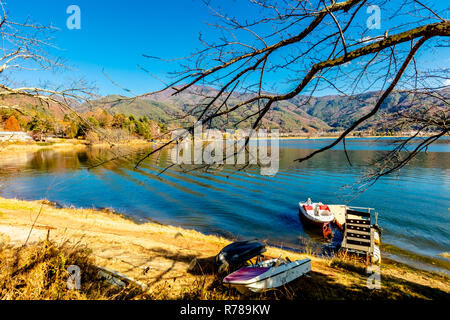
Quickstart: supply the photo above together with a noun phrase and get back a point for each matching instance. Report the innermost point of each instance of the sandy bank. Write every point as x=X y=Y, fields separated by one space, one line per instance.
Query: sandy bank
x=166 y=252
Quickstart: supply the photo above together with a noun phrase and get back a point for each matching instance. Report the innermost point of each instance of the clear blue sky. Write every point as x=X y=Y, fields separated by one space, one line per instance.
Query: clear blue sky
x=114 y=35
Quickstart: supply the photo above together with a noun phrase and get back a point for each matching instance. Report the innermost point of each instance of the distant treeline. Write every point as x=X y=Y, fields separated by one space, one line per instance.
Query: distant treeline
x=92 y=125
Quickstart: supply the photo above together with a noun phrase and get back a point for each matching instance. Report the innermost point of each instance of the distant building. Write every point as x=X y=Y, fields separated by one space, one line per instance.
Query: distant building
x=14 y=136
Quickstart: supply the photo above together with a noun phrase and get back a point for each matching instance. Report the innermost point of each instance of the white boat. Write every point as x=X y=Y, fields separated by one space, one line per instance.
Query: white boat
x=315 y=213
x=376 y=258
x=267 y=274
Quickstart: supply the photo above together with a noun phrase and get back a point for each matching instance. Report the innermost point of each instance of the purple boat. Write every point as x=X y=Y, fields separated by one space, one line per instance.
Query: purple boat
x=267 y=275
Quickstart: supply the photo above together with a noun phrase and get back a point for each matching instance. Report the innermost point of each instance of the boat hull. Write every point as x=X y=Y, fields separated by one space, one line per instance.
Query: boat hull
x=312 y=220
x=274 y=278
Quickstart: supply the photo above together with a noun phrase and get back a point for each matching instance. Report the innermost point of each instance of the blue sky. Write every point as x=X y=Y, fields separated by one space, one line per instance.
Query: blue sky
x=115 y=34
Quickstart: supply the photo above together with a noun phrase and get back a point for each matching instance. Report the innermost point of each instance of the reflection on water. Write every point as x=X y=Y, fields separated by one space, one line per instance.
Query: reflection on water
x=413 y=205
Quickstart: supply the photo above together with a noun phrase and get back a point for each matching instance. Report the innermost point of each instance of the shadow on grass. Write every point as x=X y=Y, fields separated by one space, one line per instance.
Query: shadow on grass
x=348 y=281
x=320 y=286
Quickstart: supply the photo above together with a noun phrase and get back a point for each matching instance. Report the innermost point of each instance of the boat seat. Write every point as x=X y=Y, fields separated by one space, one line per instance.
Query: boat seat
x=245 y=274
x=316 y=211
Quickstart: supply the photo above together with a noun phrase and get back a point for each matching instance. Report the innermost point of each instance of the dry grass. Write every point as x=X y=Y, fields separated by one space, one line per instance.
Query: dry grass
x=39 y=272
x=87 y=238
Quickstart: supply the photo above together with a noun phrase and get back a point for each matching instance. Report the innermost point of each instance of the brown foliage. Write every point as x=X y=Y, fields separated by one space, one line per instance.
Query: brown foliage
x=12 y=124
x=92 y=137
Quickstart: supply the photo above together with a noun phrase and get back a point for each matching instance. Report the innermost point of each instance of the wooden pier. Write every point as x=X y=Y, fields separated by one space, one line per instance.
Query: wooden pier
x=338 y=210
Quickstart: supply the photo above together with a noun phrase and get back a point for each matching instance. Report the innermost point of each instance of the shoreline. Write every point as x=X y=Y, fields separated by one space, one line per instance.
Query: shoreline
x=10 y=148
x=120 y=244
x=68 y=144
x=64 y=143
x=337 y=136
x=439 y=263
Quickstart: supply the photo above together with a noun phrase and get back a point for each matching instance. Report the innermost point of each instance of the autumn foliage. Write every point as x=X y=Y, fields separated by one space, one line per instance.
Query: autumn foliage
x=12 y=124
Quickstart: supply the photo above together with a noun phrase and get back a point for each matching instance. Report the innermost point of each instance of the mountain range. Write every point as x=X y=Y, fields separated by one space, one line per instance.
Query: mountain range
x=300 y=114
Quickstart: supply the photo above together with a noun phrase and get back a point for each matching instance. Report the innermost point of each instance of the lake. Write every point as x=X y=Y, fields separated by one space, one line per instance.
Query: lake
x=413 y=205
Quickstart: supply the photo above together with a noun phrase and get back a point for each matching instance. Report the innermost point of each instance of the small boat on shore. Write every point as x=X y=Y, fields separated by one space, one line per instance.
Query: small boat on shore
x=267 y=274
x=237 y=253
x=315 y=213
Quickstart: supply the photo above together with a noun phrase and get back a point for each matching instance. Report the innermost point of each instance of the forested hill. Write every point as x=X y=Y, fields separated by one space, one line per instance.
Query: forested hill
x=327 y=113
x=300 y=115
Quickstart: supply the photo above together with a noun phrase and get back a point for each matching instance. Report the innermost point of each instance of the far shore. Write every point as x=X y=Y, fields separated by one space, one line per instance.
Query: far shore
x=68 y=144
x=173 y=261
x=335 y=137
x=79 y=144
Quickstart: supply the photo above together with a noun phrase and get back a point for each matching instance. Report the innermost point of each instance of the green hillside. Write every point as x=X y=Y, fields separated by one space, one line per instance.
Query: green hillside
x=319 y=114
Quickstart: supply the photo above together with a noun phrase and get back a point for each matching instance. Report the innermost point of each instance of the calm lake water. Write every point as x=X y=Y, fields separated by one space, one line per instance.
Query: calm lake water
x=413 y=205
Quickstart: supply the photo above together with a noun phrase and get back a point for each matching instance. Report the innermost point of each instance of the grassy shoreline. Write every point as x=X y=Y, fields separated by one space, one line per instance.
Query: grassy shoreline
x=175 y=263
x=77 y=144
x=61 y=144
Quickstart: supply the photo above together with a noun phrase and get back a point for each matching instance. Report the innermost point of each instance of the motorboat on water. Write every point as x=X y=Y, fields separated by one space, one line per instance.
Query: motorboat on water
x=268 y=274
x=315 y=213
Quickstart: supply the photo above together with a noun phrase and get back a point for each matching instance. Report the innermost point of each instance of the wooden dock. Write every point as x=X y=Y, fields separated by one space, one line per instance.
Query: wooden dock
x=338 y=210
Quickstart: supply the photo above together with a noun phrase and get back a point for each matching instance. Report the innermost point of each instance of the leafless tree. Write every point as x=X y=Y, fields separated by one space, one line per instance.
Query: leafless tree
x=25 y=46
x=321 y=45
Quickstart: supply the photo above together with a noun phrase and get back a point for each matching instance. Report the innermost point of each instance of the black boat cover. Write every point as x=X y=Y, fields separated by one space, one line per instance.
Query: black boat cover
x=239 y=252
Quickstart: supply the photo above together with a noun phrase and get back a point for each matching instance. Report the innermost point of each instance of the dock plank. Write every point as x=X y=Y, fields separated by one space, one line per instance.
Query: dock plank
x=338 y=210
